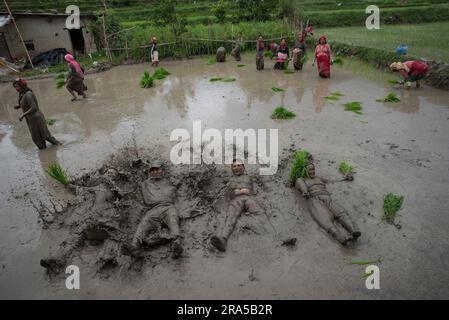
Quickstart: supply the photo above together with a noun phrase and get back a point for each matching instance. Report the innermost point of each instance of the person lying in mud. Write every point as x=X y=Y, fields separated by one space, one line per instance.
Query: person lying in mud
x=241 y=191
x=411 y=71
x=323 y=209
x=221 y=54
x=75 y=78
x=93 y=220
x=35 y=119
x=160 y=196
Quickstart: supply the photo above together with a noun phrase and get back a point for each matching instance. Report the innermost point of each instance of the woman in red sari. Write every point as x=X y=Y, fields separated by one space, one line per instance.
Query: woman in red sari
x=322 y=57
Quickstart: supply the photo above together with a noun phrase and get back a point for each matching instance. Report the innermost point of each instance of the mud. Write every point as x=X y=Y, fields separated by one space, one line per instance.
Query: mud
x=263 y=260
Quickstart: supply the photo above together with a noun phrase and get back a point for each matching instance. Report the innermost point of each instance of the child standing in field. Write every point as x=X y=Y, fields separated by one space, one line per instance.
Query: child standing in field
x=154 y=53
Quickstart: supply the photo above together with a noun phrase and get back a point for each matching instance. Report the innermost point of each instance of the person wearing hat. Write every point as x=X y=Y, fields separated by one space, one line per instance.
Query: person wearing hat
x=160 y=196
x=241 y=191
x=35 y=119
x=411 y=71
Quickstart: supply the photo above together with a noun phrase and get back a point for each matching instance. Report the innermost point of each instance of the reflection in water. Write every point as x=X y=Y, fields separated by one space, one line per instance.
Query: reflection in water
x=320 y=91
x=409 y=102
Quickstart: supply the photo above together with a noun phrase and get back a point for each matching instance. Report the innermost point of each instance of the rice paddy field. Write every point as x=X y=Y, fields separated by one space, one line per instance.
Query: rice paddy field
x=426 y=40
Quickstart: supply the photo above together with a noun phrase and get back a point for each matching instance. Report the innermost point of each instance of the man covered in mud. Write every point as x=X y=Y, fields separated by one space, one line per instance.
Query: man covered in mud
x=323 y=209
x=241 y=192
x=221 y=54
x=160 y=196
x=94 y=219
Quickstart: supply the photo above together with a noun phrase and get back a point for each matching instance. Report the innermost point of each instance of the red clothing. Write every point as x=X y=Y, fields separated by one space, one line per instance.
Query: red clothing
x=323 y=59
x=417 y=68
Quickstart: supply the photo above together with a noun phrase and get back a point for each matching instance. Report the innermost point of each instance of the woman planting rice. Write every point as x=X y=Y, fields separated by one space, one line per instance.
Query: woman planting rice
x=298 y=52
x=34 y=117
x=283 y=55
x=411 y=71
x=323 y=58
x=75 y=78
x=260 y=48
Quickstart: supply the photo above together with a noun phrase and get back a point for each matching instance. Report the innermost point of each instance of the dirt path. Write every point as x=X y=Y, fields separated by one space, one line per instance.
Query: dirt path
x=399 y=148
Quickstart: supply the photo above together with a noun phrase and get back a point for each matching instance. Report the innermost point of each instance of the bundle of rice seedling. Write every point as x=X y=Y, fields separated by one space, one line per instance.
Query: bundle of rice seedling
x=276 y=89
x=392 y=204
x=345 y=168
x=241 y=65
x=57 y=172
x=365 y=262
x=393 y=81
x=50 y=121
x=304 y=59
x=338 y=60
x=214 y=79
x=391 y=97
x=60 y=80
x=289 y=71
x=147 y=81
x=332 y=98
x=268 y=54
x=160 y=74
x=299 y=168
x=229 y=80
x=353 y=106
x=282 y=113
x=210 y=62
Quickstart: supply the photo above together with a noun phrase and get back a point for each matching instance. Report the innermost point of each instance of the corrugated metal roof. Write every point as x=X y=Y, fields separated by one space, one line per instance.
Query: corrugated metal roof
x=4 y=20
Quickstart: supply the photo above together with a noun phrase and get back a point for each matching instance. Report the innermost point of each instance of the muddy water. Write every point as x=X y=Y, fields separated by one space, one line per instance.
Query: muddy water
x=400 y=148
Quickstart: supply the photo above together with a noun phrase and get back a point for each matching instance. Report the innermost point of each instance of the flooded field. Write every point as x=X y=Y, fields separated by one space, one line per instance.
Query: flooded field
x=400 y=148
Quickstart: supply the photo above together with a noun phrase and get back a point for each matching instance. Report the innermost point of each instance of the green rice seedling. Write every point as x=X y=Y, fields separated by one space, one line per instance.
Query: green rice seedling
x=241 y=65
x=392 y=204
x=337 y=94
x=365 y=262
x=214 y=79
x=58 y=173
x=210 y=62
x=289 y=71
x=147 y=81
x=393 y=81
x=286 y=63
x=345 y=168
x=353 y=106
x=391 y=97
x=282 y=113
x=50 y=121
x=332 y=98
x=229 y=80
x=338 y=60
x=60 y=76
x=60 y=83
x=304 y=59
x=276 y=89
x=268 y=54
x=299 y=168
x=160 y=74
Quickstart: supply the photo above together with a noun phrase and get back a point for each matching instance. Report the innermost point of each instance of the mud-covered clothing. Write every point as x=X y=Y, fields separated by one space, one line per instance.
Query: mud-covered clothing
x=324 y=210
x=237 y=49
x=298 y=55
x=239 y=203
x=160 y=196
x=35 y=120
x=260 y=48
x=283 y=54
x=221 y=54
x=75 y=81
x=417 y=70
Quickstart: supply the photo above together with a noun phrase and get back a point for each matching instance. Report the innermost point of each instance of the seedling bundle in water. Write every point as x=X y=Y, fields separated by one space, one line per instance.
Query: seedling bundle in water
x=60 y=80
x=392 y=204
x=276 y=89
x=338 y=60
x=57 y=172
x=334 y=96
x=50 y=121
x=282 y=113
x=393 y=81
x=288 y=71
x=210 y=62
x=353 y=106
x=345 y=168
x=268 y=54
x=147 y=81
x=299 y=168
x=160 y=74
x=229 y=80
x=391 y=97
x=241 y=65
x=215 y=79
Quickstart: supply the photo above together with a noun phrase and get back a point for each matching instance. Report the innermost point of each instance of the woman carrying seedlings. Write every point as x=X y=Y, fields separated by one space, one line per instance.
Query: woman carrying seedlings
x=299 y=52
x=75 y=78
x=323 y=57
x=283 y=54
x=154 y=53
x=260 y=48
x=34 y=117
x=411 y=71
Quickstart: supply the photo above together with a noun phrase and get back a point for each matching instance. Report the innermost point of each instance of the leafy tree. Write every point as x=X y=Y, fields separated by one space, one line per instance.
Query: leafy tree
x=165 y=13
x=257 y=10
x=219 y=10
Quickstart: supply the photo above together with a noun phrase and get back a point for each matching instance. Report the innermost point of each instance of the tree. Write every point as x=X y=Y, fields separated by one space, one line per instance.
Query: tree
x=257 y=10
x=219 y=11
x=165 y=13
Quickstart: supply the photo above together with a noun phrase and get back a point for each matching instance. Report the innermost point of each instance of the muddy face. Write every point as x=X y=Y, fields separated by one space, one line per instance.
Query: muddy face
x=17 y=87
x=156 y=173
x=238 y=169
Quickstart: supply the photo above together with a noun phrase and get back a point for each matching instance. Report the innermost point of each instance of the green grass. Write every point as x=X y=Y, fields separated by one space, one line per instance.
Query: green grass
x=353 y=106
x=58 y=173
x=147 y=81
x=299 y=168
x=345 y=168
x=282 y=113
x=50 y=121
x=391 y=97
x=392 y=204
x=276 y=89
x=425 y=40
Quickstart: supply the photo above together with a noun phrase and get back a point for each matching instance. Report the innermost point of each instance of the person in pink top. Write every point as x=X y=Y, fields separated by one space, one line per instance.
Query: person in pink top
x=75 y=78
x=411 y=71
x=323 y=57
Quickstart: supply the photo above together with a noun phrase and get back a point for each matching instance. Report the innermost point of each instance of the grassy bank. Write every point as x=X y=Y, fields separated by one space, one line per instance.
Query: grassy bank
x=429 y=40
